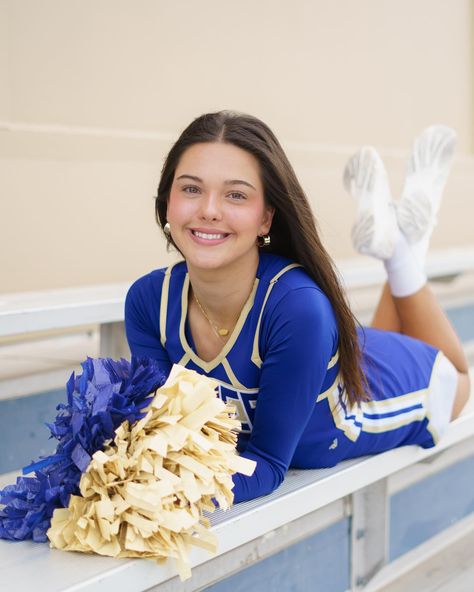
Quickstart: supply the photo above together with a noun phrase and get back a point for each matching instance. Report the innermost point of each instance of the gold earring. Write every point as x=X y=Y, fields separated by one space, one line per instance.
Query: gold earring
x=167 y=230
x=264 y=240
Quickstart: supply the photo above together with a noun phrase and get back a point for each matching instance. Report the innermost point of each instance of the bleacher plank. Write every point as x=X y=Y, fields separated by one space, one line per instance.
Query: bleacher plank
x=71 y=307
x=47 y=310
x=302 y=492
x=439 y=562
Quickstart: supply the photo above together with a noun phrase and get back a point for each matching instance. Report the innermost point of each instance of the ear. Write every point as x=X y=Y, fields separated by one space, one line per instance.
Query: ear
x=267 y=220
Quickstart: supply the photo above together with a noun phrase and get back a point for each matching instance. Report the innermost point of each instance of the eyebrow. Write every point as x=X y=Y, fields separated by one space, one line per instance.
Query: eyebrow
x=228 y=182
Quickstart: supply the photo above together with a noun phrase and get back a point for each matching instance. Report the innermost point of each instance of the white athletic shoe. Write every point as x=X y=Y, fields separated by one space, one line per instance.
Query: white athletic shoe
x=375 y=229
x=427 y=172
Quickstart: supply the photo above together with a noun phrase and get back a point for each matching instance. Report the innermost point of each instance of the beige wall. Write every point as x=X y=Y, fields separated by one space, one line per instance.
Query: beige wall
x=92 y=92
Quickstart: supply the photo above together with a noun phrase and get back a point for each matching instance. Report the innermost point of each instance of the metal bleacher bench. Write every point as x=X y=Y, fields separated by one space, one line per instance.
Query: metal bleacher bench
x=306 y=503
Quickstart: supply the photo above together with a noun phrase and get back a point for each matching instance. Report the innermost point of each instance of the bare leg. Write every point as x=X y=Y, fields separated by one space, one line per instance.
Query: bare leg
x=386 y=314
x=422 y=317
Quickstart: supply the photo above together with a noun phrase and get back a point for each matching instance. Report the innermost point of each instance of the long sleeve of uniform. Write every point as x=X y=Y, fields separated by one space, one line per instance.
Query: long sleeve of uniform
x=297 y=338
x=142 y=324
x=301 y=339
x=281 y=372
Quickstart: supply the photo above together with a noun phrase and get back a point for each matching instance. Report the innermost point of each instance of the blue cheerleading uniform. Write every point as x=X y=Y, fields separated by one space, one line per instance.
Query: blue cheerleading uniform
x=280 y=369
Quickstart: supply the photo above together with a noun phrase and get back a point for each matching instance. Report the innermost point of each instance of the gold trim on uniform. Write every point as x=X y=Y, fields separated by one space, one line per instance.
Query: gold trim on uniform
x=255 y=353
x=346 y=420
x=325 y=394
x=343 y=423
x=164 y=303
x=184 y=360
x=230 y=373
x=333 y=360
x=238 y=402
x=394 y=403
x=397 y=421
x=209 y=366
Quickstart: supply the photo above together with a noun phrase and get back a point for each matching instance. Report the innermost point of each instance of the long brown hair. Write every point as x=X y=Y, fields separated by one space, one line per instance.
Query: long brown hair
x=294 y=231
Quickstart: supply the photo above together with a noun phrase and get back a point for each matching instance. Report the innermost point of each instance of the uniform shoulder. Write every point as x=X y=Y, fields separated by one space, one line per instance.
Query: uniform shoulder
x=284 y=273
x=294 y=305
x=291 y=289
x=152 y=281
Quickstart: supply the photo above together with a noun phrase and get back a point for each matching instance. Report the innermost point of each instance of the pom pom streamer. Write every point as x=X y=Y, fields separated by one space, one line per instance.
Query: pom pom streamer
x=144 y=495
x=99 y=400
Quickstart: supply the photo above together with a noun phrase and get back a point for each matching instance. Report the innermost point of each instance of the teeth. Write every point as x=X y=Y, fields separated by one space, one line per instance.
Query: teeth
x=208 y=236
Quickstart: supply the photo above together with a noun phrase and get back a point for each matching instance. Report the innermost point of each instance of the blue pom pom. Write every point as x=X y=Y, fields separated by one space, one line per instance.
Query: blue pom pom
x=107 y=393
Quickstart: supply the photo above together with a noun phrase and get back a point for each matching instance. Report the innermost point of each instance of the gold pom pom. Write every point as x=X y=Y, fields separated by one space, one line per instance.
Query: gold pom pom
x=144 y=495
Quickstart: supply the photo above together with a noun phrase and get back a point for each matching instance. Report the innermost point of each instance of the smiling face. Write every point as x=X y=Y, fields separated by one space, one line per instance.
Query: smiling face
x=216 y=207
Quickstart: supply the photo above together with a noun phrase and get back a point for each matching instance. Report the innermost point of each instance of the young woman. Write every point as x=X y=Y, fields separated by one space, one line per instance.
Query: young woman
x=256 y=303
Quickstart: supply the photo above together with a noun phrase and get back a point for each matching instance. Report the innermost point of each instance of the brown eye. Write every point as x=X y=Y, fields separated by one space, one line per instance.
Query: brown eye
x=236 y=196
x=191 y=189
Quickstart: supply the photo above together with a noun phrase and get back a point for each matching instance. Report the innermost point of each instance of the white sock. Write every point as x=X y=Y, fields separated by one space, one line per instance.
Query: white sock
x=405 y=276
x=375 y=229
x=420 y=250
x=427 y=172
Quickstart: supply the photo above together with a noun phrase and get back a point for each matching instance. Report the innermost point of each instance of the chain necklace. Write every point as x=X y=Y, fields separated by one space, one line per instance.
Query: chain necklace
x=222 y=333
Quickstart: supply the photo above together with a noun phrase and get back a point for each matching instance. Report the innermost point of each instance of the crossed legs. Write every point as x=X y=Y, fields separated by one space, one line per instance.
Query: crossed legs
x=399 y=234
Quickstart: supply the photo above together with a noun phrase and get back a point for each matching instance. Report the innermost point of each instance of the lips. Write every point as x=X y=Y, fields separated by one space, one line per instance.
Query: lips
x=208 y=237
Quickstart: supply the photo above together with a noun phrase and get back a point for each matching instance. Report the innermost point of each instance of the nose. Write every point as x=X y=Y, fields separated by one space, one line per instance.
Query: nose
x=210 y=207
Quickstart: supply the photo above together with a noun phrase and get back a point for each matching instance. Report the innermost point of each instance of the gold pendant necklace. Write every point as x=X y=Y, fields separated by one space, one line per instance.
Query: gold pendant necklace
x=219 y=332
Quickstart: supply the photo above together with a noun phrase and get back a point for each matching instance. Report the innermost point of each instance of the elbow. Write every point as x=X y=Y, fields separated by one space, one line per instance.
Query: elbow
x=266 y=479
